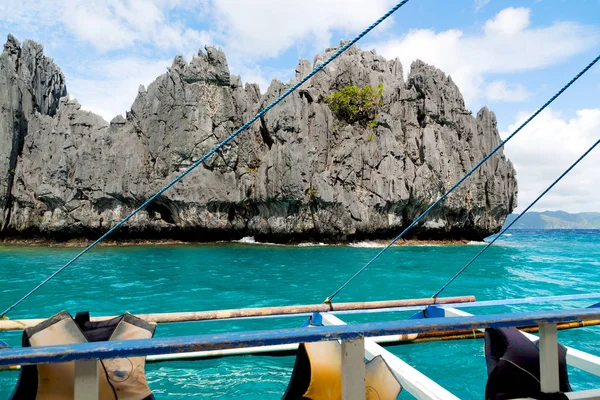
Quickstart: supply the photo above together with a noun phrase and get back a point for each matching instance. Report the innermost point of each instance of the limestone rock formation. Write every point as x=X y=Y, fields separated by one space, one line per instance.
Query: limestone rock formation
x=297 y=174
x=30 y=84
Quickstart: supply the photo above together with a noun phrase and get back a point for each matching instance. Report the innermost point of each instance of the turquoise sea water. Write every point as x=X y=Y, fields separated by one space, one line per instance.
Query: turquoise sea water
x=201 y=277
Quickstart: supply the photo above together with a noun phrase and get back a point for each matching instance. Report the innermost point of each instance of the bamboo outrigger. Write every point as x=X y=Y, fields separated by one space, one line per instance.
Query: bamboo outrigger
x=20 y=324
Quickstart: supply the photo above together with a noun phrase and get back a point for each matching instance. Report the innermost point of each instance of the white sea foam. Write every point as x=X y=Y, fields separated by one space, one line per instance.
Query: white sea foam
x=366 y=245
x=252 y=241
x=530 y=276
x=476 y=243
x=378 y=245
x=246 y=239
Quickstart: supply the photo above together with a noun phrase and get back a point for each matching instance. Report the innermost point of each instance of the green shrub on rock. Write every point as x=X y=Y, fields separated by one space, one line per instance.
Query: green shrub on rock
x=353 y=104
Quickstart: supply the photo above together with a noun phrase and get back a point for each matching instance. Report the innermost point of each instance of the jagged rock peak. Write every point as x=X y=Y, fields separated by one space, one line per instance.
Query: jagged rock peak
x=210 y=67
x=118 y=120
x=303 y=68
x=432 y=83
x=12 y=47
x=45 y=80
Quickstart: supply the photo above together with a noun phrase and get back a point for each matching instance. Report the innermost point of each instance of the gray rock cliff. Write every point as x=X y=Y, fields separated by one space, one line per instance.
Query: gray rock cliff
x=30 y=84
x=299 y=174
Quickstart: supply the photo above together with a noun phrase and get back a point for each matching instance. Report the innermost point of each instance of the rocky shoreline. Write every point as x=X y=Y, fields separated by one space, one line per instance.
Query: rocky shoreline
x=78 y=243
x=300 y=174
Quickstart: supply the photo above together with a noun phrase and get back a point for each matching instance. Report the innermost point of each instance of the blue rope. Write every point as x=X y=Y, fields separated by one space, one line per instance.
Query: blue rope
x=457 y=184
x=214 y=150
x=516 y=219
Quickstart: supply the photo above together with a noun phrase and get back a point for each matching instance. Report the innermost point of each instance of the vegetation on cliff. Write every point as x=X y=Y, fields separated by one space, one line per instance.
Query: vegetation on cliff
x=353 y=104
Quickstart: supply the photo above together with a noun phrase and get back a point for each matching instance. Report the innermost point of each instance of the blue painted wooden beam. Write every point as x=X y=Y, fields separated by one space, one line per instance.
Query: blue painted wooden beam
x=526 y=300
x=435 y=312
x=485 y=303
x=128 y=348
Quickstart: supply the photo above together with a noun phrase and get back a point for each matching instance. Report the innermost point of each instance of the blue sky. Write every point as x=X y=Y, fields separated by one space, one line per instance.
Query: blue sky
x=508 y=55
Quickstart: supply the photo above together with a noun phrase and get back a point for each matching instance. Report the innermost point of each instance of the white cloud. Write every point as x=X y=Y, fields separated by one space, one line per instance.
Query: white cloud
x=479 y=4
x=252 y=31
x=108 y=24
x=508 y=22
x=266 y=28
x=96 y=24
x=115 y=84
x=545 y=148
x=118 y=24
x=502 y=91
x=33 y=14
x=506 y=44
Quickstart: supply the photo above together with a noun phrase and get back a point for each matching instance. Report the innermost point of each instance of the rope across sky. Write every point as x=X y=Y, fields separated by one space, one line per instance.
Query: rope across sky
x=457 y=184
x=211 y=152
x=516 y=219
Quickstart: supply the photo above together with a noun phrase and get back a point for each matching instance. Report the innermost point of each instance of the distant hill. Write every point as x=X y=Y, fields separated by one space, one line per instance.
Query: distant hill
x=555 y=220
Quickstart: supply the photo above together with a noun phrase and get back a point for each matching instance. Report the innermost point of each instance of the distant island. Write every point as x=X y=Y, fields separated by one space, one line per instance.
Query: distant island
x=555 y=220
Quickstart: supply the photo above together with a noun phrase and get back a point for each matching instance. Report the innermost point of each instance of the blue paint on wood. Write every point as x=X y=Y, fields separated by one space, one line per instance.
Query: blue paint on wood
x=381 y=310
x=435 y=312
x=316 y=319
x=419 y=315
x=527 y=300
x=183 y=344
x=482 y=304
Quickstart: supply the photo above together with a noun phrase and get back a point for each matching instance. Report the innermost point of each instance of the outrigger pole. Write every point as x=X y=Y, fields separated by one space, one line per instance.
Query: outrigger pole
x=20 y=324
